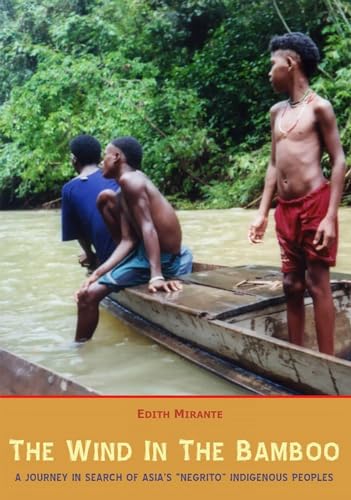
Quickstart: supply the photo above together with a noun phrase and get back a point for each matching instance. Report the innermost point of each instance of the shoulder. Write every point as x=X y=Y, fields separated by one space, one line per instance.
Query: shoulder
x=98 y=175
x=322 y=107
x=133 y=182
x=67 y=187
x=102 y=182
x=70 y=183
x=276 y=107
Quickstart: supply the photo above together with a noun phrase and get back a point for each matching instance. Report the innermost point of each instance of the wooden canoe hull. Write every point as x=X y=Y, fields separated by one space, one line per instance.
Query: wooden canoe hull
x=226 y=369
x=203 y=315
x=19 y=377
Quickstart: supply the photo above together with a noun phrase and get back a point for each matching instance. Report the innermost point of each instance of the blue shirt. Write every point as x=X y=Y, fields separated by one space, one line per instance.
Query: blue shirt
x=80 y=216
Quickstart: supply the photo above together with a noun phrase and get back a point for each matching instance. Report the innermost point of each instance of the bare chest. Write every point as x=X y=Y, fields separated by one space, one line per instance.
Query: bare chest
x=295 y=124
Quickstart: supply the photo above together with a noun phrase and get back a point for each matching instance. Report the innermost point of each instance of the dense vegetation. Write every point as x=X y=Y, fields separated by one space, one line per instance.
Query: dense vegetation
x=188 y=78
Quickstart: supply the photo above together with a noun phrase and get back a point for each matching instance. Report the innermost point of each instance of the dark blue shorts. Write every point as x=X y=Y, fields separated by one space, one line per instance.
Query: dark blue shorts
x=135 y=268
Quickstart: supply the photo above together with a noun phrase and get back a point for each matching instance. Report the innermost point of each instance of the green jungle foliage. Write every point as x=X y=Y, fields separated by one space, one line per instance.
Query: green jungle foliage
x=187 y=78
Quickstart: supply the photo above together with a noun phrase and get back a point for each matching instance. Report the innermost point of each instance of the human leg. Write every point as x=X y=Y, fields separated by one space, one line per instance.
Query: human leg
x=176 y=265
x=108 y=205
x=88 y=311
x=318 y=284
x=133 y=270
x=186 y=262
x=293 y=267
x=294 y=288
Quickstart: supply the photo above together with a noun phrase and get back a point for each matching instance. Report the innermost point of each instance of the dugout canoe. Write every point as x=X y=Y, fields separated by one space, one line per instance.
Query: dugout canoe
x=20 y=377
x=234 y=318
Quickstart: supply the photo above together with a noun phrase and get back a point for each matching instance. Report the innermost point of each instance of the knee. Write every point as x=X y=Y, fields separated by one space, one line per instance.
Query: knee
x=293 y=287
x=316 y=287
x=87 y=300
x=104 y=198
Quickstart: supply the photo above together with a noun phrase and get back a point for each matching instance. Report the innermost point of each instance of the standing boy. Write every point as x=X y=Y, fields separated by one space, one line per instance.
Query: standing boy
x=150 y=247
x=81 y=219
x=306 y=215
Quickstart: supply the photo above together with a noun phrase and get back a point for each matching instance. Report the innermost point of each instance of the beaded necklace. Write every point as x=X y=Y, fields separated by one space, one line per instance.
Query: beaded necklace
x=305 y=99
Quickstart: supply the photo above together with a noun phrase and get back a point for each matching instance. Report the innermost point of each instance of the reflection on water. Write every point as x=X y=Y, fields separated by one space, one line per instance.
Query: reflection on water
x=40 y=274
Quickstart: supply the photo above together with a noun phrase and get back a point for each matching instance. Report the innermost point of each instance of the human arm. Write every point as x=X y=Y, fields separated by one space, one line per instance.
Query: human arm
x=126 y=245
x=88 y=257
x=71 y=225
x=259 y=225
x=326 y=120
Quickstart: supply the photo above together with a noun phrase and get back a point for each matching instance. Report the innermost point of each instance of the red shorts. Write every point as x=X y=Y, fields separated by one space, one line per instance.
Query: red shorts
x=296 y=223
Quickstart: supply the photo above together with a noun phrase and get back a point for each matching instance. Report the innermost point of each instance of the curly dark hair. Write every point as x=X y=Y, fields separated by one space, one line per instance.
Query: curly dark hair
x=131 y=148
x=86 y=149
x=303 y=45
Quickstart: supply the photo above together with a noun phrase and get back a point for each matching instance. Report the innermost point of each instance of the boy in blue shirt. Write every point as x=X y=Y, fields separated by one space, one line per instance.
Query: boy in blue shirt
x=81 y=219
